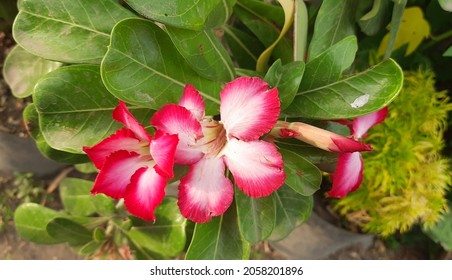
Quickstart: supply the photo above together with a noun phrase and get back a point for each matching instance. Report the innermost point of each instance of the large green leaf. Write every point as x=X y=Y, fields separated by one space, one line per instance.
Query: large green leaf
x=75 y=109
x=219 y=239
x=31 y=221
x=143 y=67
x=302 y=176
x=353 y=96
x=441 y=232
x=31 y=119
x=68 y=31
x=22 y=70
x=292 y=209
x=271 y=12
x=334 y=22
x=188 y=14
x=204 y=52
x=65 y=230
x=220 y=14
x=287 y=79
x=256 y=216
x=244 y=48
x=166 y=236
x=327 y=67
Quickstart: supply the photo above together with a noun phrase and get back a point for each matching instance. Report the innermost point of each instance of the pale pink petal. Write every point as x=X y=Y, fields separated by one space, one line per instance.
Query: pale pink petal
x=205 y=192
x=257 y=166
x=348 y=174
x=115 y=175
x=362 y=124
x=248 y=108
x=175 y=119
x=192 y=100
x=122 y=115
x=123 y=139
x=163 y=149
x=145 y=192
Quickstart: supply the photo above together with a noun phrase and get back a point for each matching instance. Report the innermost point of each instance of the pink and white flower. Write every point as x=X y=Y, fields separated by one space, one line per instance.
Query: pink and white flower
x=133 y=165
x=349 y=170
x=248 y=110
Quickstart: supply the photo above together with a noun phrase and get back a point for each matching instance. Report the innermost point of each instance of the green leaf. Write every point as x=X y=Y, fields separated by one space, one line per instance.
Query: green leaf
x=188 y=14
x=166 y=236
x=103 y=204
x=99 y=234
x=220 y=14
x=31 y=119
x=353 y=96
x=204 y=52
x=22 y=70
x=287 y=79
x=154 y=77
x=75 y=109
x=448 y=52
x=441 y=232
x=256 y=216
x=302 y=176
x=244 y=47
x=328 y=66
x=334 y=22
x=292 y=209
x=219 y=239
x=90 y=248
x=31 y=221
x=86 y=168
x=68 y=31
x=270 y=12
x=446 y=5
x=65 y=230
x=374 y=20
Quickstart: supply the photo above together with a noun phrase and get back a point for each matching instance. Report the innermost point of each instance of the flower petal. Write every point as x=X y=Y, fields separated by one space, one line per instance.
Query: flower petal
x=248 y=108
x=145 y=192
x=348 y=175
x=192 y=101
x=175 y=119
x=257 y=166
x=122 y=115
x=362 y=124
x=115 y=175
x=123 y=139
x=163 y=149
x=205 y=191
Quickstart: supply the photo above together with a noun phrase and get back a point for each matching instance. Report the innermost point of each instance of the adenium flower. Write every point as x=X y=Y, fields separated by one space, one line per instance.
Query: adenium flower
x=349 y=170
x=248 y=110
x=133 y=165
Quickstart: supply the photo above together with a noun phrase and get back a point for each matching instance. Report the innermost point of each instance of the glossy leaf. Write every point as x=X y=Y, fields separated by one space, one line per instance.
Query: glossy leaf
x=441 y=232
x=328 y=66
x=75 y=109
x=166 y=236
x=292 y=209
x=287 y=79
x=334 y=22
x=220 y=14
x=31 y=119
x=244 y=48
x=188 y=14
x=31 y=221
x=353 y=96
x=256 y=216
x=22 y=70
x=204 y=52
x=302 y=176
x=154 y=77
x=65 y=230
x=219 y=239
x=68 y=31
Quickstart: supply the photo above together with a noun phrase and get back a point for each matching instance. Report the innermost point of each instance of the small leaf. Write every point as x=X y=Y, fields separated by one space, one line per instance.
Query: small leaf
x=287 y=79
x=334 y=22
x=65 y=230
x=375 y=20
x=256 y=216
x=75 y=109
x=99 y=234
x=166 y=236
x=68 y=31
x=188 y=14
x=219 y=239
x=22 y=70
x=76 y=196
x=154 y=77
x=31 y=221
x=292 y=209
x=328 y=66
x=90 y=248
x=353 y=96
x=204 y=52
x=302 y=176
